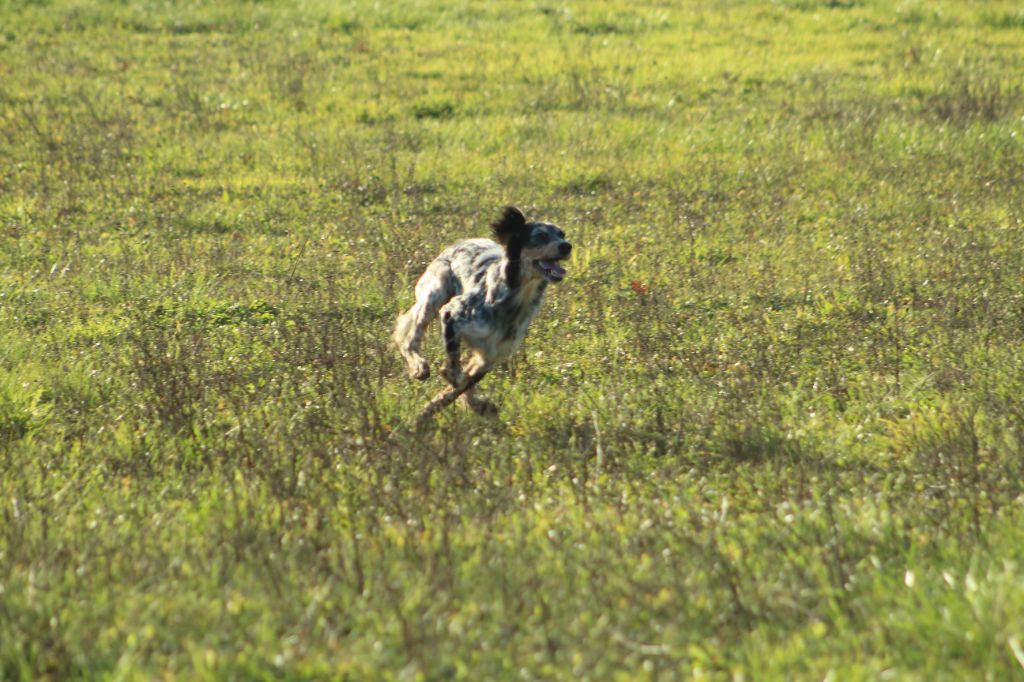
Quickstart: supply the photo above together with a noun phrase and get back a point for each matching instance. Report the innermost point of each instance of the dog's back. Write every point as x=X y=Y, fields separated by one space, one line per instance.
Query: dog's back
x=470 y=264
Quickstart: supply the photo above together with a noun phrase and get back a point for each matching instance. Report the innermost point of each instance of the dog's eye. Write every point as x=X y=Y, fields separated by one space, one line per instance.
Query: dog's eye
x=542 y=238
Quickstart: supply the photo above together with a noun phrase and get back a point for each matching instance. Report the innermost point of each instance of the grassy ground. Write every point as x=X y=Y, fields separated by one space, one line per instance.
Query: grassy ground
x=771 y=426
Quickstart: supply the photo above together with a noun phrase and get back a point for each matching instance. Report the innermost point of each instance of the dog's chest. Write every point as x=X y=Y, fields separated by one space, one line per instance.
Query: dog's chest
x=502 y=327
x=512 y=325
x=501 y=343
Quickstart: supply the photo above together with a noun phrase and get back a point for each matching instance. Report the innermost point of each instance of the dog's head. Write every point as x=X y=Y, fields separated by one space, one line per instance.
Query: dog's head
x=537 y=247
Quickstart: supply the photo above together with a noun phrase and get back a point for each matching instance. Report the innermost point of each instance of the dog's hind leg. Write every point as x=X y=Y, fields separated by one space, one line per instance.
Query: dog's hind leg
x=433 y=290
x=482 y=406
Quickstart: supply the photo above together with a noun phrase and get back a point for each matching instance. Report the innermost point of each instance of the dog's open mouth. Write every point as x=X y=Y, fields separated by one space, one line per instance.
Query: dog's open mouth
x=552 y=271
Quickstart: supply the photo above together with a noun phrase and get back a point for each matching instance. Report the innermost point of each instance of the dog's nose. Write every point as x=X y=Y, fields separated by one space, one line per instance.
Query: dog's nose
x=565 y=248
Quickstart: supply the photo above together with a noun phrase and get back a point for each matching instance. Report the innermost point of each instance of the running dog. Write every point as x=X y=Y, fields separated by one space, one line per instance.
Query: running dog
x=486 y=292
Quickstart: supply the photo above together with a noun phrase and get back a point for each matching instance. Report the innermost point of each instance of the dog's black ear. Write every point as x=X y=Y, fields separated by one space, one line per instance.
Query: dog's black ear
x=511 y=224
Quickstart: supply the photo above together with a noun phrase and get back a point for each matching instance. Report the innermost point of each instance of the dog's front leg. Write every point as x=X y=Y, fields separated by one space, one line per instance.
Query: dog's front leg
x=482 y=406
x=449 y=396
x=453 y=319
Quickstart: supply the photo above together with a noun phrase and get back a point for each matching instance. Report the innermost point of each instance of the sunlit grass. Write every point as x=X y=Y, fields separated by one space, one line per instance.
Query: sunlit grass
x=769 y=427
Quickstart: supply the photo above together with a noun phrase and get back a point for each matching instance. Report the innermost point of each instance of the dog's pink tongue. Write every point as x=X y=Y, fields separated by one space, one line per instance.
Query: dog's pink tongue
x=555 y=268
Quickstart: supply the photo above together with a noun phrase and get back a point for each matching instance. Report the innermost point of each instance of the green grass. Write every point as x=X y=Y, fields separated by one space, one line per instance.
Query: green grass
x=770 y=427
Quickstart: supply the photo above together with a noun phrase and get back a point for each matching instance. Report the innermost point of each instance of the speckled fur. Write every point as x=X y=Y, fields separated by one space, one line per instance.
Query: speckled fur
x=486 y=294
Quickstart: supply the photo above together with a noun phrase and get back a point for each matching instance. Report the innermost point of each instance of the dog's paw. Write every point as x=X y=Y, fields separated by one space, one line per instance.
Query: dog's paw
x=485 y=408
x=423 y=420
x=419 y=370
x=481 y=406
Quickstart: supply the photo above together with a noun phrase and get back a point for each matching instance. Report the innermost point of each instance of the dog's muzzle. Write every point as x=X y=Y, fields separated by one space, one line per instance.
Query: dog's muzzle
x=550 y=268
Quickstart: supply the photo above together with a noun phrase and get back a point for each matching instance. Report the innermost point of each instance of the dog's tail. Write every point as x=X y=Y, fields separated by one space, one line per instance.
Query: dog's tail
x=403 y=329
x=406 y=337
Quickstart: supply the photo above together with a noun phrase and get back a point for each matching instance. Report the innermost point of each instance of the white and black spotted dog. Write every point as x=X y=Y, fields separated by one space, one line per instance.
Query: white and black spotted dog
x=487 y=293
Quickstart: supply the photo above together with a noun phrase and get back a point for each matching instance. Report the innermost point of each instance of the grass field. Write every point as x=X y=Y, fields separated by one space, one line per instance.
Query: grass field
x=770 y=427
